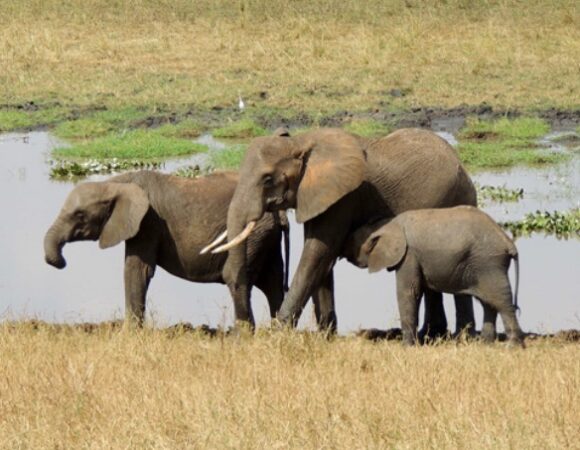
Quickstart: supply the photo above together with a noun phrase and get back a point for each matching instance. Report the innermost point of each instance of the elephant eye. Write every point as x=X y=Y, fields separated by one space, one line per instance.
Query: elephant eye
x=79 y=215
x=268 y=181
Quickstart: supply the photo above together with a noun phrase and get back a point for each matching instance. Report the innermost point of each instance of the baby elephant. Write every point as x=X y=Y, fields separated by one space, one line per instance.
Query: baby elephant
x=165 y=221
x=458 y=250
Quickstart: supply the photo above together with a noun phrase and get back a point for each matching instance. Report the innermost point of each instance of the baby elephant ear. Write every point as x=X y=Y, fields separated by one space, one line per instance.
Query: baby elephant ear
x=387 y=247
x=130 y=203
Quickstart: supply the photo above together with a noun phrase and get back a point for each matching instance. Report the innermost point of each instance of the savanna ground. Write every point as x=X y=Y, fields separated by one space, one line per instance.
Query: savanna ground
x=152 y=74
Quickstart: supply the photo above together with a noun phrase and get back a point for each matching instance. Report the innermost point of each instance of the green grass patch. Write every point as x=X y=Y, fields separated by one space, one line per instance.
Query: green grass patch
x=244 y=128
x=522 y=128
x=11 y=120
x=136 y=144
x=504 y=143
x=228 y=158
x=496 y=155
x=368 y=128
x=188 y=129
x=100 y=123
x=82 y=129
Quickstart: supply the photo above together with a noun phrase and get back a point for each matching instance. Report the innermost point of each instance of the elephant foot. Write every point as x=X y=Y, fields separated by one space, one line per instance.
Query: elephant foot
x=428 y=333
x=327 y=323
x=465 y=332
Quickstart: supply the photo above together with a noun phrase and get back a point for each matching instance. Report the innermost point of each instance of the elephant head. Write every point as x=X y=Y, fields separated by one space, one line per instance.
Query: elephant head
x=376 y=245
x=309 y=172
x=108 y=211
x=385 y=248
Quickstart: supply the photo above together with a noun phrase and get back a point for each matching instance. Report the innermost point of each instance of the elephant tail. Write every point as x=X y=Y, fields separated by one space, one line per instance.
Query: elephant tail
x=516 y=259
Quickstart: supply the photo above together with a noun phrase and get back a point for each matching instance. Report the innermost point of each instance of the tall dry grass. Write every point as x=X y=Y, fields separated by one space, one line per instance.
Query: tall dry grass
x=321 y=55
x=150 y=389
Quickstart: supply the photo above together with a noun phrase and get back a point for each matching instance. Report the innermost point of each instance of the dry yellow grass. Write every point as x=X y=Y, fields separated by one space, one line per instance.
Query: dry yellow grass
x=321 y=55
x=283 y=390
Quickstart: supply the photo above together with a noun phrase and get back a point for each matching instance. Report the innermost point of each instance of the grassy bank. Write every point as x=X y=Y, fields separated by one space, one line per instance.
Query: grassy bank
x=152 y=390
x=304 y=56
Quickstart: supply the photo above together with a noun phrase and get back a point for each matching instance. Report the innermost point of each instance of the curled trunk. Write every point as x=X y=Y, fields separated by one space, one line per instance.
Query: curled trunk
x=53 y=244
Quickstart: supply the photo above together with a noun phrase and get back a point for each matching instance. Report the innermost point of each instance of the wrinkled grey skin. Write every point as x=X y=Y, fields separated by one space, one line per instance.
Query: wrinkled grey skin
x=337 y=182
x=165 y=221
x=457 y=250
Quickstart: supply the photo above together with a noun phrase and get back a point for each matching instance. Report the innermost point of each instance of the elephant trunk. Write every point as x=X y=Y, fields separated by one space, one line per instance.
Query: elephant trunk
x=53 y=243
x=236 y=267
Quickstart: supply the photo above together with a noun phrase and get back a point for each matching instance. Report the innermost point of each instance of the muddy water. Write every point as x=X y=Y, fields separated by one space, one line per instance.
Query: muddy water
x=91 y=286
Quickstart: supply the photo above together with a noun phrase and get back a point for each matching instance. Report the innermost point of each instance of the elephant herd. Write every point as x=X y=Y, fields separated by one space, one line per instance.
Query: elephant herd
x=381 y=203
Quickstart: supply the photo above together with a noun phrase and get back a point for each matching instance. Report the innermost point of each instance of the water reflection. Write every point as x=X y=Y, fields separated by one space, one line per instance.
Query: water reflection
x=91 y=287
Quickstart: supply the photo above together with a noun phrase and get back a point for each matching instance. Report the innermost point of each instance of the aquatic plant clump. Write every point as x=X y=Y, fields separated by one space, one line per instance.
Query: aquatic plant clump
x=500 y=194
x=72 y=169
x=560 y=224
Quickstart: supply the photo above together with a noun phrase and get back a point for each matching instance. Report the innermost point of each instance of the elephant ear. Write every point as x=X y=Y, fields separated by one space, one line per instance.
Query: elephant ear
x=130 y=203
x=335 y=165
x=386 y=247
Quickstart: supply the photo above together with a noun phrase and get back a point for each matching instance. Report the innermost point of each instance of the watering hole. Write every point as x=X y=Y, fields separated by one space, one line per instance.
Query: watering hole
x=90 y=289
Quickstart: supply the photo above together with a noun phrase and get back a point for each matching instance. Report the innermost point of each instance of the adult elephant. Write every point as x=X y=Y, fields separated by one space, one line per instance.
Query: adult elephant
x=337 y=182
x=165 y=220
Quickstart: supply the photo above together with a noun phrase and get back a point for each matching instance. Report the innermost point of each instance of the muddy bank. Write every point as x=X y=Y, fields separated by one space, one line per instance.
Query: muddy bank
x=433 y=117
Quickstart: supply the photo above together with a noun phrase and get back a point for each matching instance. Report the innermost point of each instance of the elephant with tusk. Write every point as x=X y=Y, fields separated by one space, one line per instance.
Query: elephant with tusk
x=337 y=182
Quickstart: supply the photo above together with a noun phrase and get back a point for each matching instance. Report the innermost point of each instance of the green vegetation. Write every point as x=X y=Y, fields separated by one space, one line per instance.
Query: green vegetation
x=73 y=169
x=15 y=119
x=187 y=129
x=100 y=123
x=368 y=128
x=244 y=128
x=228 y=158
x=504 y=143
x=136 y=144
x=500 y=194
x=561 y=224
x=522 y=128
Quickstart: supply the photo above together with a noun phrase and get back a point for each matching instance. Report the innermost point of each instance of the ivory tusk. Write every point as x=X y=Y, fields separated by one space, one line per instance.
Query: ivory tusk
x=215 y=243
x=238 y=239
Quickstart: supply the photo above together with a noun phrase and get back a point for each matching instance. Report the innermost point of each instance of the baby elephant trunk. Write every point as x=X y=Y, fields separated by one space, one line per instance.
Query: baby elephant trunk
x=53 y=244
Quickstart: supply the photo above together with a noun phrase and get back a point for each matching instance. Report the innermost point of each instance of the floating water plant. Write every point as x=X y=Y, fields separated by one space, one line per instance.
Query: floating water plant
x=62 y=169
x=500 y=194
x=561 y=224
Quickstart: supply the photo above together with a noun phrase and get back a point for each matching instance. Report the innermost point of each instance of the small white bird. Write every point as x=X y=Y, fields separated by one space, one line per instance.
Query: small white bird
x=241 y=103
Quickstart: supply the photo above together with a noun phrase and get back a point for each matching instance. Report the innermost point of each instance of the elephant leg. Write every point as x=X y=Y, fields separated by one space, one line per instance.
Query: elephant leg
x=464 y=315
x=489 y=319
x=435 y=322
x=271 y=283
x=409 y=294
x=323 y=298
x=497 y=294
x=323 y=239
x=139 y=269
